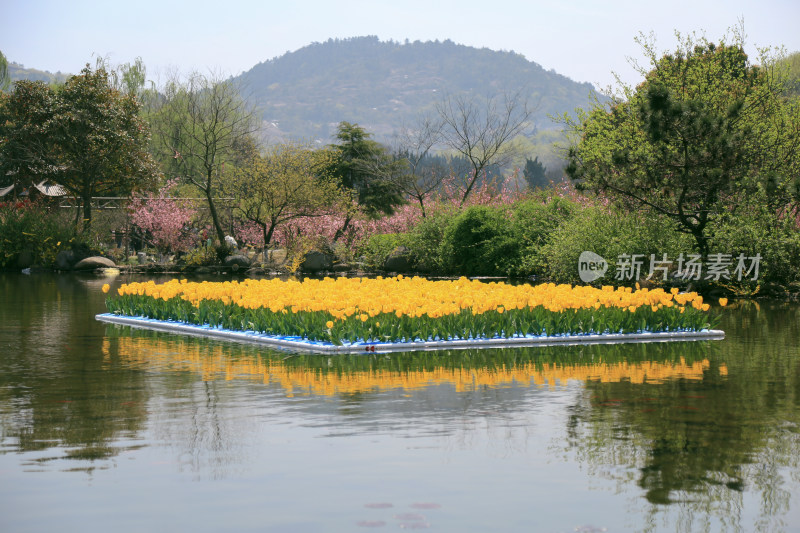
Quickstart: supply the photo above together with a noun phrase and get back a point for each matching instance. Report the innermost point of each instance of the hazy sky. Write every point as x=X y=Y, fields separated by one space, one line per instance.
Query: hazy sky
x=585 y=40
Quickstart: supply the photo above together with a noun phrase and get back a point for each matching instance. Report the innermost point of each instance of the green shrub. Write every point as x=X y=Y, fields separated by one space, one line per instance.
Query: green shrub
x=489 y=241
x=378 y=247
x=29 y=227
x=610 y=232
x=534 y=221
x=480 y=241
x=201 y=256
x=755 y=229
x=426 y=241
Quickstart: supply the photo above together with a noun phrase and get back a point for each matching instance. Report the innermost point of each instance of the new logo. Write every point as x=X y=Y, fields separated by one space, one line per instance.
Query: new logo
x=591 y=266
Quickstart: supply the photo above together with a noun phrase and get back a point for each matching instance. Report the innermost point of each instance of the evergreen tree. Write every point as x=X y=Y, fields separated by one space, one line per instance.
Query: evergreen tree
x=535 y=173
x=705 y=130
x=366 y=168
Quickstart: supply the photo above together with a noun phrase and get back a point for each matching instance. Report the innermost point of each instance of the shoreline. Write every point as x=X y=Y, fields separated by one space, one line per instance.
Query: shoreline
x=769 y=291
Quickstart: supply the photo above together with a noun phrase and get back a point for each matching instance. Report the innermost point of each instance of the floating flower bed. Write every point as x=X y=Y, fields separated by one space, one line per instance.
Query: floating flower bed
x=346 y=311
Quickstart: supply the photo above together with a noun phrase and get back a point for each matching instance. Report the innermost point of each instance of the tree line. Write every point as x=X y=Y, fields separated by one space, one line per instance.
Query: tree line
x=104 y=132
x=707 y=141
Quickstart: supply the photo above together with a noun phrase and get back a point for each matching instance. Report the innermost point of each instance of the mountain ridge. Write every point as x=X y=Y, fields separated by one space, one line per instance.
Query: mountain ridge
x=383 y=84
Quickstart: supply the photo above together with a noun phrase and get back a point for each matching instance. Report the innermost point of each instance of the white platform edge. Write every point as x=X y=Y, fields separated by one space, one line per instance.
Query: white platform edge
x=383 y=347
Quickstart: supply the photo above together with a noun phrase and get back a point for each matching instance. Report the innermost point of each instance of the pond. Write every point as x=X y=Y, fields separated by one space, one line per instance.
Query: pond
x=105 y=428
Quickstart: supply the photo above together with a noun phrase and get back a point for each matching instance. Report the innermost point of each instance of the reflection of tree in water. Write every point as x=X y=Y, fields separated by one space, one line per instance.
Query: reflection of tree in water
x=703 y=444
x=195 y=421
x=55 y=388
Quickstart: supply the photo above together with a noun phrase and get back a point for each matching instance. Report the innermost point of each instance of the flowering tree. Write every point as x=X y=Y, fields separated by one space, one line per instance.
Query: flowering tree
x=165 y=218
x=248 y=233
x=328 y=227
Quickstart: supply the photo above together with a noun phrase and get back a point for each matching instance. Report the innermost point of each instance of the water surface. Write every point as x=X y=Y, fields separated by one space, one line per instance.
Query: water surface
x=108 y=428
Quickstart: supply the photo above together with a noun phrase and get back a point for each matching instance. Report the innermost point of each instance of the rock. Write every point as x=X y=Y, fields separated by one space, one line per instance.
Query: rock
x=399 y=260
x=141 y=257
x=237 y=261
x=256 y=271
x=91 y=263
x=25 y=259
x=65 y=259
x=358 y=266
x=316 y=261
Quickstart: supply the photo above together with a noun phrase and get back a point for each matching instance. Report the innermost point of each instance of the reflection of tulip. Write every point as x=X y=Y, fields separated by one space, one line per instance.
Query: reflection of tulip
x=347 y=379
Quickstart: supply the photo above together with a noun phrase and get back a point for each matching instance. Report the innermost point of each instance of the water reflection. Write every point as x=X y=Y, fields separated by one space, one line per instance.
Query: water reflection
x=349 y=374
x=700 y=436
x=700 y=446
x=54 y=389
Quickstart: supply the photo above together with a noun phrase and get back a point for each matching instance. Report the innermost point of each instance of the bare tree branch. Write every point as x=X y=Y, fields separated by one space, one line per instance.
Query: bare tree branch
x=481 y=130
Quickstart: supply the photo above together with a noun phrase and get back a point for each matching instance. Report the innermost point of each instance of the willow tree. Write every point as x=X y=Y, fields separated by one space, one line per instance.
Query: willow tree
x=203 y=125
x=704 y=130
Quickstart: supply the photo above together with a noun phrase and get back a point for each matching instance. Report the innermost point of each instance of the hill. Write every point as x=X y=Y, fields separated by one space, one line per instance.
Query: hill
x=382 y=85
x=19 y=72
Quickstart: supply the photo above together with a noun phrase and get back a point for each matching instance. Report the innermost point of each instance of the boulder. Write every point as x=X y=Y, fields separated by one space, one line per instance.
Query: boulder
x=65 y=259
x=237 y=261
x=316 y=261
x=94 y=262
x=399 y=260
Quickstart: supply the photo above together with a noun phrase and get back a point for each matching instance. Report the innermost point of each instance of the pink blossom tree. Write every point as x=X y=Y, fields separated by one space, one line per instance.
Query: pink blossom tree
x=165 y=219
